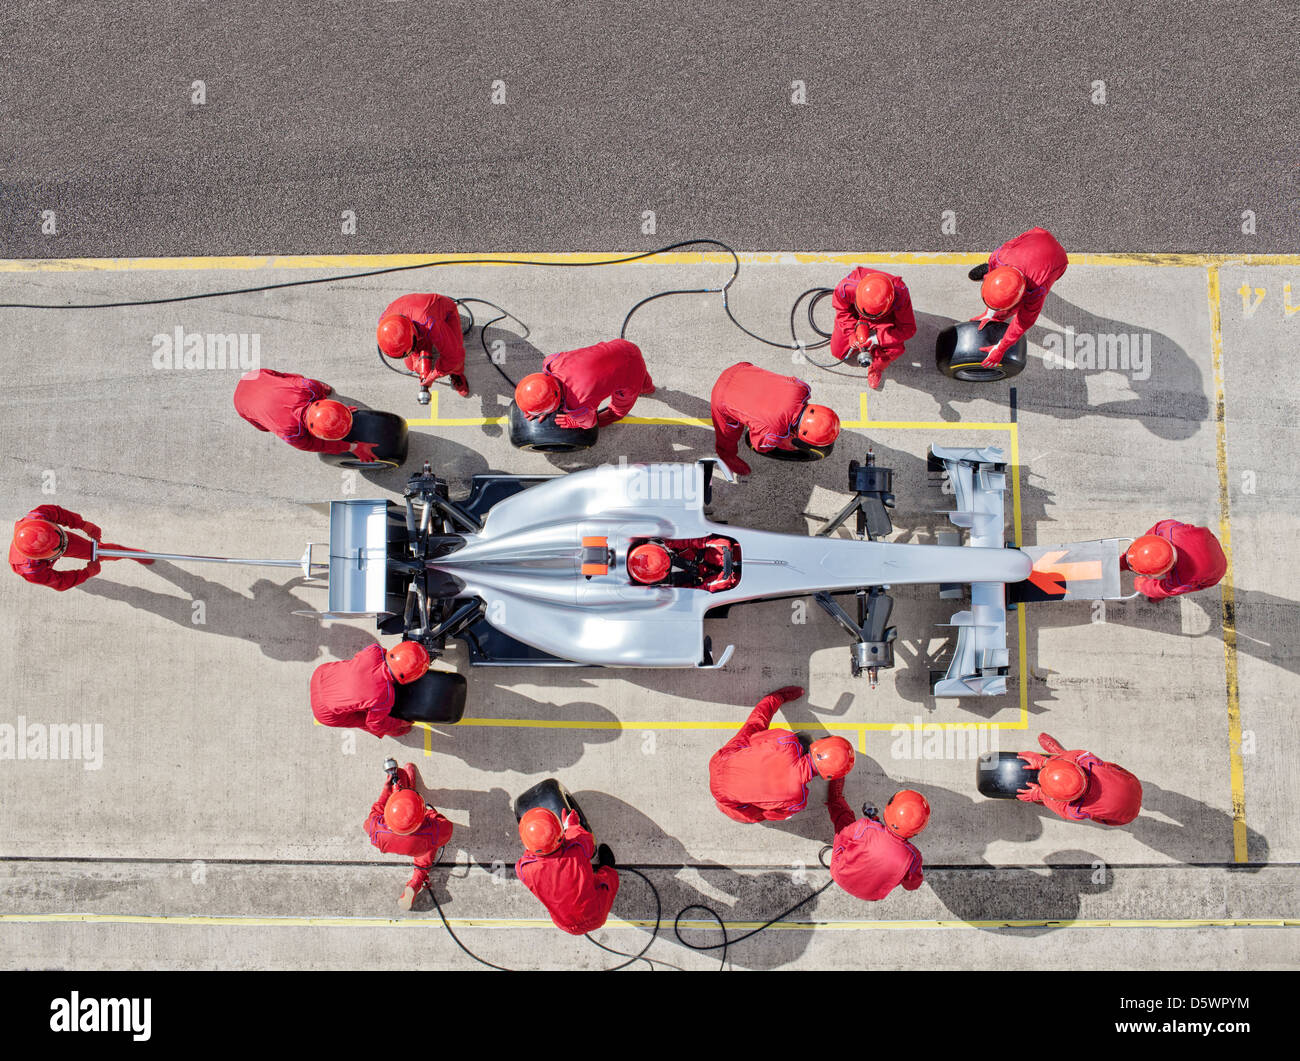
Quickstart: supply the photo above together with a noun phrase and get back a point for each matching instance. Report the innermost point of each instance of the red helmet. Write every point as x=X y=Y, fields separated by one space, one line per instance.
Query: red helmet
x=649 y=563
x=328 y=419
x=407 y=661
x=1003 y=287
x=818 y=425
x=540 y=830
x=1063 y=780
x=832 y=757
x=907 y=813
x=395 y=335
x=404 y=811
x=875 y=295
x=39 y=539
x=1151 y=555
x=538 y=394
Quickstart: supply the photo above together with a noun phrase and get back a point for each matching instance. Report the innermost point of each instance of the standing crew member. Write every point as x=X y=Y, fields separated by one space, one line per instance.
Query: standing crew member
x=872 y=857
x=1080 y=787
x=425 y=330
x=557 y=868
x=762 y=774
x=775 y=409
x=359 y=693
x=297 y=410
x=574 y=383
x=873 y=319
x=40 y=540
x=401 y=823
x=1016 y=280
x=1173 y=558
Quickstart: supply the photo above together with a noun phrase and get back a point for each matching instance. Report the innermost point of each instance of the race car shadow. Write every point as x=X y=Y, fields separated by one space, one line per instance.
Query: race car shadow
x=451 y=460
x=263 y=618
x=683 y=880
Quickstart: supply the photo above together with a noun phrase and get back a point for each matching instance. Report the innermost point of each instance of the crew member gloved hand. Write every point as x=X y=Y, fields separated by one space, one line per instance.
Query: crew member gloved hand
x=567 y=422
x=995 y=355
x=92 y=530
x=1030 y=793
x=1050 y=744
x=1033 y=760
x=571 y=820
x=365 y=451
x=984 y=318
x=790 y=692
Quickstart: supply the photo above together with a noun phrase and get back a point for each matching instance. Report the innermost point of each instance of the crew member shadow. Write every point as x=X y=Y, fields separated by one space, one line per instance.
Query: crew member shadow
x=263 y=617
x=498 y=749
x=496 y=359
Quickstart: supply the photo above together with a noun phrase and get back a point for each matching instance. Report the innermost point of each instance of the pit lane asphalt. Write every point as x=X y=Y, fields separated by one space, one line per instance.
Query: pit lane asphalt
x=385 y=109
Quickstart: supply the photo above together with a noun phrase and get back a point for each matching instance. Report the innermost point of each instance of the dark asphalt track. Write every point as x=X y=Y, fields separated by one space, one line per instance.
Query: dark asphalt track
x=383 y=107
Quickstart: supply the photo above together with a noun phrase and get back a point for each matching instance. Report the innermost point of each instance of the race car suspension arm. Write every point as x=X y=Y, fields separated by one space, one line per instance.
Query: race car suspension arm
x=873 y=637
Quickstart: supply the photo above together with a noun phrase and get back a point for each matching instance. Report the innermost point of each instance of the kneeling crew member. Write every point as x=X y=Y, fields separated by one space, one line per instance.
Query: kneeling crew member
x=401 y=823
x=557 y=868
x=1173 y=558
x=774 y=408
x=1016 y=280
x=425 y=330
x=762 y=774
x=872 y=857
x=40 y=540
x=1080 y=787
x=296 y=410
x=572 y=385
x=873 y=319
x=359 y=693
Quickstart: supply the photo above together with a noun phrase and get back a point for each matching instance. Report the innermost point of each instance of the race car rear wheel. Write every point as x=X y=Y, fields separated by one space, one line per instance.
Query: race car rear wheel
x=554 y=797
x=438 y=697
x=1001 y=774
x=545 y=437
x=385 y=431
x=957 y=353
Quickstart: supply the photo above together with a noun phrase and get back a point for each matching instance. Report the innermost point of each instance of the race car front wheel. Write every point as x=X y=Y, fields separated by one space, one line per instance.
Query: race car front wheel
x=438 y=697
x=385 y=431
x=544 y=436
x=958 y=356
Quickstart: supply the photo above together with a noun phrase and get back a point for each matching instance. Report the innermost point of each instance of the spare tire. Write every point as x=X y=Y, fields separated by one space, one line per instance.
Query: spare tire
x=545 y=437
x=385 y=431
x=437 y=697
x=957 y=352
x=554 y=797
x=793 y=456
x=1002 y=774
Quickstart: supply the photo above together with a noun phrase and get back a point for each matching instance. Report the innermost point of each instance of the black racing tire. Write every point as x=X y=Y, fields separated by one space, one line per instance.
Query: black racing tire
x=793 y=456
x=1000 y=775
x=554 y=797
x=437 y=697
x=386 y=431
x=957 y=353
x=544 y=437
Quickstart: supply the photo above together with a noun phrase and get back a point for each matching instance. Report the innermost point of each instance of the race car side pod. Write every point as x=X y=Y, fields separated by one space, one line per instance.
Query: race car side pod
x=304 y=563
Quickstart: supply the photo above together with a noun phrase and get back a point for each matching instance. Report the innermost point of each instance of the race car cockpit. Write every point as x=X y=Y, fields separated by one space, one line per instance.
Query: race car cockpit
x=711 y=564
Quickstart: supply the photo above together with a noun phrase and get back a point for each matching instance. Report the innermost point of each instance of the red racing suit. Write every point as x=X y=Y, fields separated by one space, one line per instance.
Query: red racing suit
x=1200 y=564
x=42 y=571
x=423 y=845
x=613 y=369
x=357 y=693
x=276 y=402
x=767 y=404
x=1043 y=262
x=1113 y=795
x=761 y=774
x=577 y=897
x=869 y=860
x=439 y=345
x=892 y=329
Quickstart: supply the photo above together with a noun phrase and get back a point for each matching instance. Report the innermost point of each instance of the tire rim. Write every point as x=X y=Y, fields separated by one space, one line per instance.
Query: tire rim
x=979 y=375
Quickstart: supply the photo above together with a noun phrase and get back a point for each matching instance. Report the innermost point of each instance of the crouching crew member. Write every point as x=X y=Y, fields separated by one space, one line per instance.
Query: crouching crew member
x=557 y=868
x=775 y=410
x=359 y=693
x=1016 y=280
x=762 y=774
x=297 y=410
x=572 y=385
x=425 y=330
x=872 y=857
x=873 y=319
x=1080 y=787
x=1173 y=558
x=40 y=539
x=401 y=823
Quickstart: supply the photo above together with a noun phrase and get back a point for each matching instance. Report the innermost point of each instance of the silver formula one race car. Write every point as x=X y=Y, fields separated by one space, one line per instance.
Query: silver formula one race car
x=533 y=570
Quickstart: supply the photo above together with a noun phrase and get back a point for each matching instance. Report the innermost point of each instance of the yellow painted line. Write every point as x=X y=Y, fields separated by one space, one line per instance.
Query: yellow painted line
x=729 y=725
x=388 y=261
x=674 y=421
x=1228 y=607
x=239 y=921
